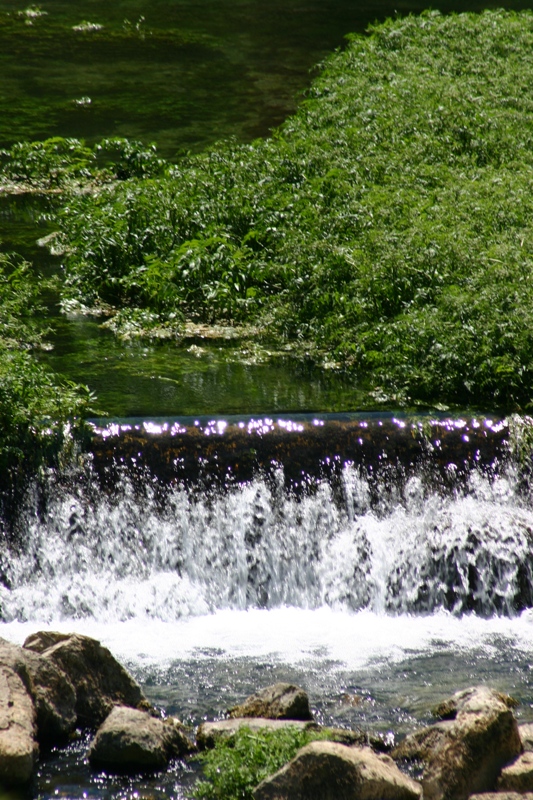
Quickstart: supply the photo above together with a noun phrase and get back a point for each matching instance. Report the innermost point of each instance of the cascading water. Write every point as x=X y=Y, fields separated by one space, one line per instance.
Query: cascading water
x=352 y=539
x=256 y=545
x=381 y=563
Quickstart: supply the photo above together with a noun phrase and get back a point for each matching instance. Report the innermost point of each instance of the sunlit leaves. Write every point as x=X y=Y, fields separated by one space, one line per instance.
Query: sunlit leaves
x=388 y=224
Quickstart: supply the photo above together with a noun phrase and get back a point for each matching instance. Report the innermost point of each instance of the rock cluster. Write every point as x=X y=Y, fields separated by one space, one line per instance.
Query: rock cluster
x=332 y=771
x=56 y=683
x=464 y=753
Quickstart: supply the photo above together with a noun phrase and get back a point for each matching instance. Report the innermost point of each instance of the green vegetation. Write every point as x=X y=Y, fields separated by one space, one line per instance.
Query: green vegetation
x=236 y=765
x=386 y=228
x=39 y=412
x=68 y=165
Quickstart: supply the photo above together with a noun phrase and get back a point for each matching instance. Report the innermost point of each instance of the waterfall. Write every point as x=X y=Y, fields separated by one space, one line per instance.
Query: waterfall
x=115 y=541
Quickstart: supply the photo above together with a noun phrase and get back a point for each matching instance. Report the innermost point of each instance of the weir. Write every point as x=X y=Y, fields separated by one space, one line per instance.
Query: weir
x=167 y=519
x=303 y=445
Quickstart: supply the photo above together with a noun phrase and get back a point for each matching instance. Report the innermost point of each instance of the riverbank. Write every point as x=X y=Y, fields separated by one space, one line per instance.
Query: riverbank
x=39 y=411
x=385 y=229
x=383 y=232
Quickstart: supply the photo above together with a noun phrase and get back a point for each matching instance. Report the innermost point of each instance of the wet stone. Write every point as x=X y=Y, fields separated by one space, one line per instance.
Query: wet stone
x=18 y=748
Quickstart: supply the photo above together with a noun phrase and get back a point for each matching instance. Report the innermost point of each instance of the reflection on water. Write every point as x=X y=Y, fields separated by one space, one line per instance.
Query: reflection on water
x=195 y=376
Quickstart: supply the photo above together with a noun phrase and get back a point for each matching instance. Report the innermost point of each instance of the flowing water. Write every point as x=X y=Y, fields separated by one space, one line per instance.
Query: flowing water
x=380 y=579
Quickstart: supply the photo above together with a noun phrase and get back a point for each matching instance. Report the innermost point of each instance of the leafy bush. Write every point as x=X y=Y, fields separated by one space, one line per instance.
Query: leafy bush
x=59 y=163
x=387 y=226
x=236 y=765
x=39 y=412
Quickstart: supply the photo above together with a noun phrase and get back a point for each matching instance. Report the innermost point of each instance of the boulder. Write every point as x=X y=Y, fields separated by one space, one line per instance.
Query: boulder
x=99 y=680
x=501 y=796
x=420 y=746
x=518 y=776
x=51 y=691
x=280 y=701
x=18 y=748
x=449 y=708
x=464 y=754
x=133 y=740
x=210 y=732
x=332 y=771
x=526 y=735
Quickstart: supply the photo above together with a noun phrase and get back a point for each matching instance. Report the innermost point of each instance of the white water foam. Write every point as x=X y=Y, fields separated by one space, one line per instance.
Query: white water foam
x=132 y=558
x=345 y=640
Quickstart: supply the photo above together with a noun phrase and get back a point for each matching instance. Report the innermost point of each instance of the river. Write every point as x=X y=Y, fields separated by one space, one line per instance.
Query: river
x=380 y=592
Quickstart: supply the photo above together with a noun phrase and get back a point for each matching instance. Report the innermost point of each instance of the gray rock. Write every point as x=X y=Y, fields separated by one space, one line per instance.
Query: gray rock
x=421 y=744
x=99 y=680
x=134 y=740
x=518 y=776
x=464 y=755
x=449 y=708
x=210 y=732
x=18 y=748
x=50 y=689
x=331 y=771
x=280 y=701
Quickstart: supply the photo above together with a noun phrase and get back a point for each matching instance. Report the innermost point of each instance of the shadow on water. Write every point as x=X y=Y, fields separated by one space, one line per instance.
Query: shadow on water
x=182 y=73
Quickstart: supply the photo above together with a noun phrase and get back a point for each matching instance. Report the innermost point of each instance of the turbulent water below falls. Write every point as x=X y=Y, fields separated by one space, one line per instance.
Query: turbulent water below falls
x=379 y=593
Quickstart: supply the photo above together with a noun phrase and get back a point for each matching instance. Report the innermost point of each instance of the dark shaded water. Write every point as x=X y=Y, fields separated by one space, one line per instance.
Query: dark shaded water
x=182 y=73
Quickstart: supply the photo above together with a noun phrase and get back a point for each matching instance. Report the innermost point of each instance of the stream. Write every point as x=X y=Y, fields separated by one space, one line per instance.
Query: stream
x=379 y=575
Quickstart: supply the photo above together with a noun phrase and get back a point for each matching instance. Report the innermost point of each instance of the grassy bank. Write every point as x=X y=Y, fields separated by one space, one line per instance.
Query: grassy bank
x=386 y=228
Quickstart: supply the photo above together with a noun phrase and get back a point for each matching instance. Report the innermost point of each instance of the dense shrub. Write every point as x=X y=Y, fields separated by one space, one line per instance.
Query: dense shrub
x=387 y=226
x=62 y=164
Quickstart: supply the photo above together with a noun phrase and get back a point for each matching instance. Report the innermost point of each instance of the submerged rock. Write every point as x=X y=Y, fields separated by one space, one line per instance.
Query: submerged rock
x=52 y=693
x=332 y=771
x=279 y=701
x=99 y=680
x=18 y=748
x=130 y=739
x=465 y=753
